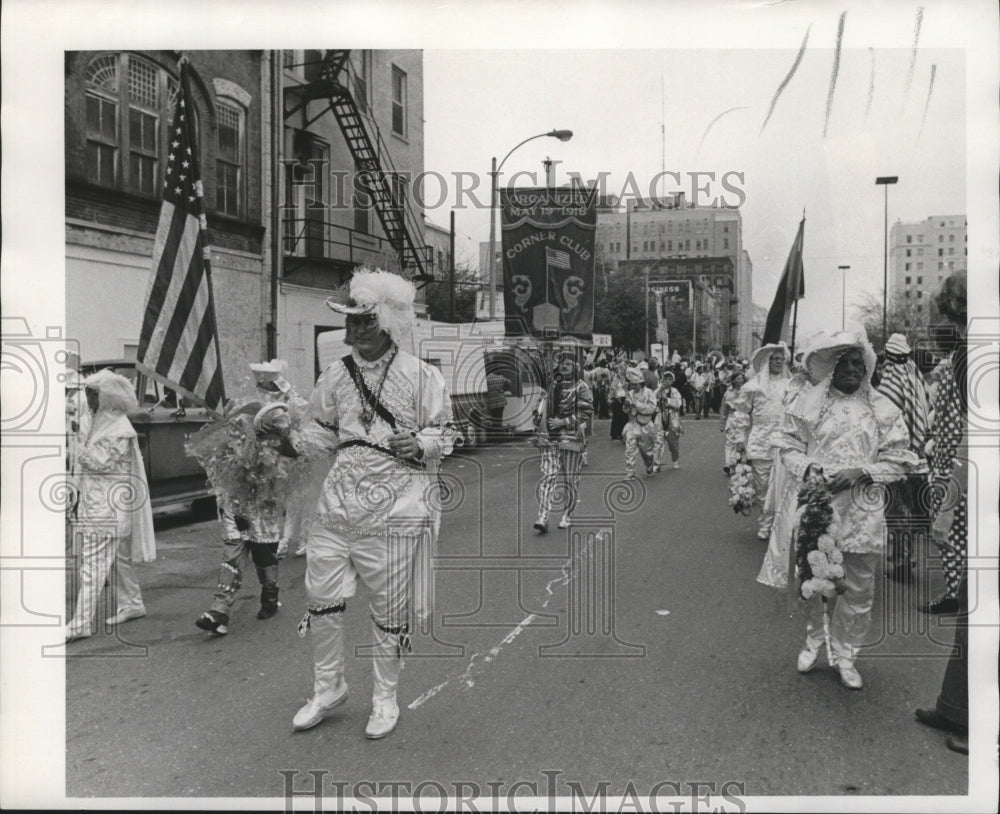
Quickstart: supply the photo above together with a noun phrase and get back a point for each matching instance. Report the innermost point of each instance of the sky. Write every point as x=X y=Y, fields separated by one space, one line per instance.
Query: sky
x=642 y=111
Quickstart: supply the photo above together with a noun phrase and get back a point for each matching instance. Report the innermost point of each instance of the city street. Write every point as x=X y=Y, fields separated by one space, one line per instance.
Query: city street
x=637 y=648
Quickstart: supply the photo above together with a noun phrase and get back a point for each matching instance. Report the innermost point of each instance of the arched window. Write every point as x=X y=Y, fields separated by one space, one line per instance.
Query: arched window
x=129 y=103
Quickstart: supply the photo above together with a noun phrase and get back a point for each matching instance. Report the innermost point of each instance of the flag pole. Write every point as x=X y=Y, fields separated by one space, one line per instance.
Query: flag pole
x=795 y=320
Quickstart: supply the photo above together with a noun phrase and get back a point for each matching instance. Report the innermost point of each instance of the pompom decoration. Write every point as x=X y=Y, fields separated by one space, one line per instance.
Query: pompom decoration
x=818 y=559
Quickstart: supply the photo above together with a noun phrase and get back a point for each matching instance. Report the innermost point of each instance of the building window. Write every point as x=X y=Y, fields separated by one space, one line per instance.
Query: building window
x=725 y=228
x=920 y=294
x=908 y=280
x=920 y=238
x=725 y=243
x=920 y=252
x=940 y=266
x=951 y=238
x=940 y=252
x=909 y=252
x=951 y=250
x=363 y=77
x=687 y=244
x=920 y=266
x=941 y=237
x=906 y=294
x=670 y=245
x=398 y=102
x=129 y=104
x=229 y=160
x=909 y=239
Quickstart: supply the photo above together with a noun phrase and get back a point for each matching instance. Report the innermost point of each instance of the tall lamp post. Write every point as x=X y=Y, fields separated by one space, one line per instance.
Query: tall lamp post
x=562 y=135
x=843 y=294
x=885 y=181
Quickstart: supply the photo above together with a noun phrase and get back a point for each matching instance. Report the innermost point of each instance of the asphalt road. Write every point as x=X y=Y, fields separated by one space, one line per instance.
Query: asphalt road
x=637 y=648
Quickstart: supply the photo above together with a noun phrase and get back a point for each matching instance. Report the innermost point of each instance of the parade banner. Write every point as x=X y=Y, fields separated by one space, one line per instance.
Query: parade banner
x=548 y=261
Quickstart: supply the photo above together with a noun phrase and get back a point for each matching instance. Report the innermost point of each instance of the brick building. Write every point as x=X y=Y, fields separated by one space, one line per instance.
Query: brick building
x=306 y=161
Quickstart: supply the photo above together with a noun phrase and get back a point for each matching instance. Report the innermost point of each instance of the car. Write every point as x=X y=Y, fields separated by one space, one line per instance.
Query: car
x=163 y=423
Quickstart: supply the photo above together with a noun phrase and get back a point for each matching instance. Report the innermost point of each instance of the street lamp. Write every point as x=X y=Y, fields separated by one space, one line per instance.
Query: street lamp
x=562 y=135
x=843 y=294
x=885 y=180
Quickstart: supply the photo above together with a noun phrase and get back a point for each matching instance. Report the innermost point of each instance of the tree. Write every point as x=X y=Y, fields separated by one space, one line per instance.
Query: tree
x=619 y=310
x=437 y=295
x=909 y=316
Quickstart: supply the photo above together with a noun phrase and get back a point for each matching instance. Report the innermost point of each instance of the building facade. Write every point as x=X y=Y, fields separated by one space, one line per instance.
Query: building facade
x=922 y=255
x=306 y=160
x=118 y=106
x=641 y=231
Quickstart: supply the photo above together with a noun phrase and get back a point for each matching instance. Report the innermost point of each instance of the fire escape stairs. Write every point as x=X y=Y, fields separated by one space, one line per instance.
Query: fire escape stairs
x=370 y=154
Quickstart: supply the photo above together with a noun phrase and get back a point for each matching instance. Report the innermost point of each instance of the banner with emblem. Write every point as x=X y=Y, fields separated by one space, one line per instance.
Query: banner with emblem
x=548 y=260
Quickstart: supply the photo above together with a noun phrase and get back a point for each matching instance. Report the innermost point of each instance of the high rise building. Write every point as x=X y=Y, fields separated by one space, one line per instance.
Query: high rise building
x=923 y=254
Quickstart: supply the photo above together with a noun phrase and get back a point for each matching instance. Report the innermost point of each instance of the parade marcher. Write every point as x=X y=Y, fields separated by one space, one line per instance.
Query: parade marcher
x=844 y=431
x=757 y=414
x=669 y=401
x=114 y=520
x=949 y=455
x=248 y=455
x=617 y=391
x=496 y=401
x=783 y=487
x=642 y=433
x=904 y=386
x=726 y=424
x=600 y=379
x=378 y=514
x=949 y=474
x=699 y=388
x=561 y=420
x=681 y=382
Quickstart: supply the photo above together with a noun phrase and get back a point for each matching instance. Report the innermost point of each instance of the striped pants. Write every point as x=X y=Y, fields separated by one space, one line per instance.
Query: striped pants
x=560 y=481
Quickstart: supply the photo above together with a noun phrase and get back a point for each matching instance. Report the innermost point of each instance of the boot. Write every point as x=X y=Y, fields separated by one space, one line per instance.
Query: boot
x=386 y=664
x=329 y=686
x=269 y=603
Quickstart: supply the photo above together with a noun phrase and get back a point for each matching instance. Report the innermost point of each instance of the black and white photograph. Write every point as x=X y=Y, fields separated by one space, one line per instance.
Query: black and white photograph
x=520 y=406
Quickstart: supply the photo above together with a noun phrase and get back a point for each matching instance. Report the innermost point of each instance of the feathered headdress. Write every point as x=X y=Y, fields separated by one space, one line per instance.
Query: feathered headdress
x=388 y=296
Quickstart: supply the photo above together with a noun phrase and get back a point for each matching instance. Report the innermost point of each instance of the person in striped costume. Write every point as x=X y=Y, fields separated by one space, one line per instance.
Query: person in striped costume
x=561 y=420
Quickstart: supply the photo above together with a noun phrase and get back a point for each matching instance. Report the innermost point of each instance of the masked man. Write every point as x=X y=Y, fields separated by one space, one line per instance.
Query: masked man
x=845 y=431
x=756 y=415
x=248 y=456
x=560 y=435
x=114 y=522
x=378 y=514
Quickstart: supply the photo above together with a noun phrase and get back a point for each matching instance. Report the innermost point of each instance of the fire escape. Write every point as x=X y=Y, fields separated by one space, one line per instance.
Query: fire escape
x=330 y=79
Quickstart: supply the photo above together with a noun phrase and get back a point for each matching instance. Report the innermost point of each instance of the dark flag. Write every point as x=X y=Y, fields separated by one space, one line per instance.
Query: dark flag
x=548 y=260
x=791 y=288
x=179 y=343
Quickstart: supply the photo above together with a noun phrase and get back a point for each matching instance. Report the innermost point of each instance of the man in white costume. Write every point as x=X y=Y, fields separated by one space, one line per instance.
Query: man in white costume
x=378 y=513
x=847 y=432
x=114 y=520
x=757 y=414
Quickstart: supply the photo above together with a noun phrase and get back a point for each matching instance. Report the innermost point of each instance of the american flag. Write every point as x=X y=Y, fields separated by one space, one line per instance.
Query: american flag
x=179 y=343
x=554 y=258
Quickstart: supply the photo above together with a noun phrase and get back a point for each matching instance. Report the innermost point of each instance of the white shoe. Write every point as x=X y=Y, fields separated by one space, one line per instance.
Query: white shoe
x=126 y=614
x=763 y=535
x=383 y=720
x=676 y=465
x=565 y=522
x=317 y=708
x=72 y=635
x=301 y=550
x=849 y=676
x=807 y=660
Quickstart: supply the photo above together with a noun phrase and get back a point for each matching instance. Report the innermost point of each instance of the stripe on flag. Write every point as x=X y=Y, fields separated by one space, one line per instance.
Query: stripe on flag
x=179 y=342
x=555 y=258
x=792 y=287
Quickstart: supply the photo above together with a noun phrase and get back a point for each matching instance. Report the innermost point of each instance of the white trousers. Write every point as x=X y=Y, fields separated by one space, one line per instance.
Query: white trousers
x=334 y=561
x=761 y=480
x=850 y=612
x=100 y=552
